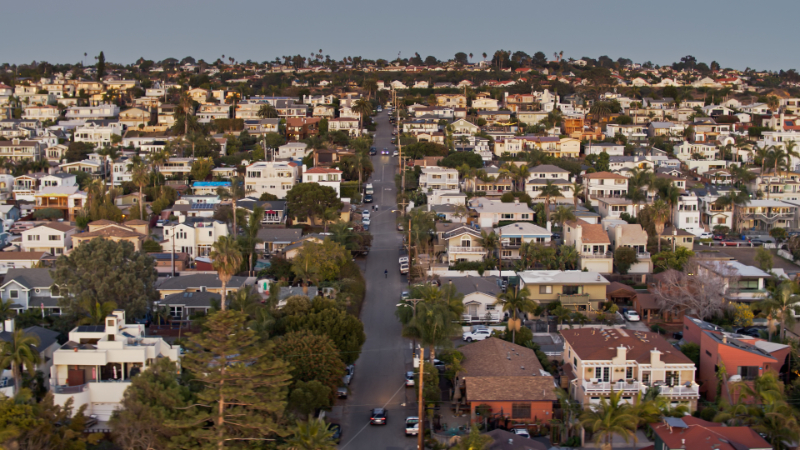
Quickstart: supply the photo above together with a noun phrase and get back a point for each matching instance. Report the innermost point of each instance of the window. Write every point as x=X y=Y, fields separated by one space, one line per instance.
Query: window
x=629 y=372
x=13 y=294
x=490 y=307
x=506 y=216
x=748 y=284
x=506 y=253
x=748 y=372
x=33 y=237
x=545 y=289
x=524 y=216
x=53 y=237
x=602 y=373
x=520 y=410
x=572 y=290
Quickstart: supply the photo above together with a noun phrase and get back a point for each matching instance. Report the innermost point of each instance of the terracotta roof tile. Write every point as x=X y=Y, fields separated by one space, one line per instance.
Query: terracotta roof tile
x=510 y=388
x=591 y=344
x=604 y=175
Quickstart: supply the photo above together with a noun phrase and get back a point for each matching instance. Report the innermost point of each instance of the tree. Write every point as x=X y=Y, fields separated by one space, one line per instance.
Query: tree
x=101 y=66
x=610 y=417
x=139 y=175
x=233 y=193
x=307 y=397
x=312 y=435
x=362 y=107
x=577 y=190
x=48 y=214
x=25 y=424
x=778 y=233
x=267 y=197
x=127 y=276
x=624 y=258
x=783 y=300
x=201 y=168
x=267 y=111
x=563 y=214
x=319 y=262
x=764 y=259
x=549 y=191
x=250 y=238
x=489 y=241
x=227 y=260
x=433 y=324
x=242 y=400
x=345 y=330
x=512 y=302
x=692 y=351
x=151 y=246
x=474 y=440
x=742 y=315
x=311 y=357
x=20 y=352
x=659 y=212
x=154 y=398
x=678 y=291
x=310 y=200
x=672 y=260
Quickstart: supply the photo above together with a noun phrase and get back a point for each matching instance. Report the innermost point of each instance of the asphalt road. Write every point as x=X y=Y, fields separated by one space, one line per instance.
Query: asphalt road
x=379 y=379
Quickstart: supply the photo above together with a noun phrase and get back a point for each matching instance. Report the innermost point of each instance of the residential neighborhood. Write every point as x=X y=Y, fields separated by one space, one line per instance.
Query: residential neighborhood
x=504 y=250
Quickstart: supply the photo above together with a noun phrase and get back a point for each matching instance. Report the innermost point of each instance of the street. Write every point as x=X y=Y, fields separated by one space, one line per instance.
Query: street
x=379 y=379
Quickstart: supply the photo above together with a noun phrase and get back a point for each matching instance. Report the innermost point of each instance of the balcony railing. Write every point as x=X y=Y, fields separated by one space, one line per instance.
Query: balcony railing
x=597 y=255
x=605 y=386
x=71 y=389
x=466 y=250
x=573 y=298
x=643 y=255
x=693 y=390
x=487 y=317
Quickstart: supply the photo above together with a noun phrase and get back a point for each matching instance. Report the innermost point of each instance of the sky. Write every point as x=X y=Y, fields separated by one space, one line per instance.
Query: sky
x=734 y=33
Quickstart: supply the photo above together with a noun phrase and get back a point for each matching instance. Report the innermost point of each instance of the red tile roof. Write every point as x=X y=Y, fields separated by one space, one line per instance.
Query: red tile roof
x=702 y=435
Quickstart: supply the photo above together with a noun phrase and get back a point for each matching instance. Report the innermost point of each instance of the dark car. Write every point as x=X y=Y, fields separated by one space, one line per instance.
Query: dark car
x=751 y=331
x=373 y=151
x=385 y=151
x=757 y=242
x=341 y=392
x=368 y=198
x=337 y=431
x=379 y=417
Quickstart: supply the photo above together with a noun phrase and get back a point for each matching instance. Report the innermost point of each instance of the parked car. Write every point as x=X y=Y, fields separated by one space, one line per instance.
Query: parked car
x=378 y=417
x=405 y=295
x=337 y=432
x=757 y=242
x=161 y=223
x=730 y=243
x=412 y=426
x=402 y=259
x=631 y=316
x=751 y=331
x=349 y=371
x=409 y=379
x=400 y=227
x=394 y=153
x=365 y=226
x=365 y=214
x=366 y=222
x=368 y=198
x=718 y=237
x=404 y=268
x=341 y=392
x=706 y=235
x=522 y=432
x=477 y=335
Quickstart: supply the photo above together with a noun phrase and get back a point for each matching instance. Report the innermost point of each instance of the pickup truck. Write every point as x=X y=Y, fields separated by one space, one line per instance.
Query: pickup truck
x=477 y=335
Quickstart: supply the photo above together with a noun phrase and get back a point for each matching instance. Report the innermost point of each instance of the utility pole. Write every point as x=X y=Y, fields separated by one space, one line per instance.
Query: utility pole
x=410 y=260
x=420 y=445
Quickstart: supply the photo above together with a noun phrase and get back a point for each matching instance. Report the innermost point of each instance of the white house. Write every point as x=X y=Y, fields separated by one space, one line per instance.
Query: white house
x=492 y=212
x=438 y=178
x=54 y=238
x=193 y=235
x=99 y=112
x=324 y=177
x=276 y=178
x=480 y=297
x=98 y=134
x=542 y=174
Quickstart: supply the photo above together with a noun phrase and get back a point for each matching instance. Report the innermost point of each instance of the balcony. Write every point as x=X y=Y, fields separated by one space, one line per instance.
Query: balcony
x=493 y=317
x=643 y=255
x=598 y=255
x=692 y=390
x=605 y=386
x=573 y=299
x=466 y=250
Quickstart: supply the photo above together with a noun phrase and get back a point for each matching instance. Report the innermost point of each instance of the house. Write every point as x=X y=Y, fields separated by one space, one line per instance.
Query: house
x=462 y=243
x=301 y=128
x=99 y=133
x=674 y=433
x=609 y=148
x=291 y=250
x=484 y=102
x=577 y=290
x=48 y=343
x=274 y=210
x=601 y=361
x=438 y=178
x=54 y=238
x=348 y=125
x=513 y=235
x=612 y=208
x=134 y=117
x=632 y=236
x=69 y=200
x=767 y=214
x=592 y=244
x=193 y=235
x=491 y=187
x=272 y=240
x=275 y=178
x=452 y=100
x=181 y=306
x=22 y=260
x=201 y=282
x=744 y=357
x=604 y=184
x=59 y=179
x=20 y=150
x=678 y=237
x=97 y=112
x=744 y=284
x=95 y=366
x=508 y=379
x=30 y=289
x=262 y=126
x=324 y=177
x=293 y=150
x=488 y=213
x=113 y=232
x=209 y=112
x=480 y=295
x=531 y=117
x=97 y=169
x=495 y=117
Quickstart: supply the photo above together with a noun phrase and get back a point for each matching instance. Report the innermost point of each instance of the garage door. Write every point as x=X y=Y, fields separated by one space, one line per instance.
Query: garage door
x=103 y=411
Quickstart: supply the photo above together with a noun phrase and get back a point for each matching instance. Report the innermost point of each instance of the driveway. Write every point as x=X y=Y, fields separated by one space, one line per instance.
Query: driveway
x=379 y=380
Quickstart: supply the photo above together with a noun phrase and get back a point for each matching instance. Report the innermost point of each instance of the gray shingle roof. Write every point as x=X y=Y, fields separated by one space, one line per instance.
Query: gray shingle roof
x=192 y=299
x=469 y=284
x=30 y=278
x=198 y=280
x=280 y=234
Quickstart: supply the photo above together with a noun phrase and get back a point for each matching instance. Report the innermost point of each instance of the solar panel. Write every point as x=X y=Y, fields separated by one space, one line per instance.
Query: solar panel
x=675 y=422
x=202 y=206
x=91 y=328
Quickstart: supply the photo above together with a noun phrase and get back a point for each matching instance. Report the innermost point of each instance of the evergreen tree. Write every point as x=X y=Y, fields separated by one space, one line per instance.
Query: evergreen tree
x=244 y=386
x=101 y=66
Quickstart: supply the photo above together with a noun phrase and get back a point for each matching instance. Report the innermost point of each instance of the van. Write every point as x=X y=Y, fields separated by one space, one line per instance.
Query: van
x=368 y=189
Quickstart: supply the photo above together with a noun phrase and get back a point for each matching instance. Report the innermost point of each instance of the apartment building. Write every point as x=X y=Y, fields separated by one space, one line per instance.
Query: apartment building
x=276 y=178
x=438 y=178
x=767 y=214
x=98 y=133
x=593 y=245
x=602 y=361
x=576 y=290
x=98 y=112
x=604 y=184
x=193 y=235
x=19 y=150
x=96 y=365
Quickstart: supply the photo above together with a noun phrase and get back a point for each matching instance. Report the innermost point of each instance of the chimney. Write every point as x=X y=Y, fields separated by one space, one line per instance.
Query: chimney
x=622 y=353
x=181 y=218
x=655 y=357
x=724 y=339
x=8 y=326
x=516 y=201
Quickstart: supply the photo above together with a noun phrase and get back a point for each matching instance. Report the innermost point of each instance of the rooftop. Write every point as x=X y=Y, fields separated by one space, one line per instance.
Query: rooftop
x=561 y=277
x=591 y=344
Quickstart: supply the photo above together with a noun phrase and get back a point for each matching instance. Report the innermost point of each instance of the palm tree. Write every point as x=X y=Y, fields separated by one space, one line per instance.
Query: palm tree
x=226 y=260
x=139 y=176
x=611 y=417
x=762 y=153
x=312 y=435
x=563 y=214
x=96 y=312
x=734 y=200
x=789 y=148
x=433 y=324
x=185 y=103
x=489 y=241
x=267 y=111
x=362 y=107
x=577 y=190
x=522 y=173
x=20 y=352
x=549 y=191
x=670 y=194
x=246 y=300
x=251 y=230
x=660 y=212
x=783 y=300
x=234 y=193
x=779 y=157
x=513 y=302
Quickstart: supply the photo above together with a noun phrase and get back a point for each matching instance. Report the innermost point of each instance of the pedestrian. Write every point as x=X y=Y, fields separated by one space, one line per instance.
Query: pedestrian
x=377 y=207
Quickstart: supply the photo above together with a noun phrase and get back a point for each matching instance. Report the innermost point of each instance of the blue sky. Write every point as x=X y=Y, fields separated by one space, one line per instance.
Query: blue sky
x=735 y=33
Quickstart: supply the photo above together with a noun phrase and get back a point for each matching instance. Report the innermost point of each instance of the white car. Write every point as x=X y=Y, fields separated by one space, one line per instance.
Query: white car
x=404 y=268
x=394 y=153
x=477 y=335
x=365 y=214
x=366 y=221
x=522 y=432
x=412 y=426
x=632 y=316
x=403 y=259
x=706 y=235
x=409 y=379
